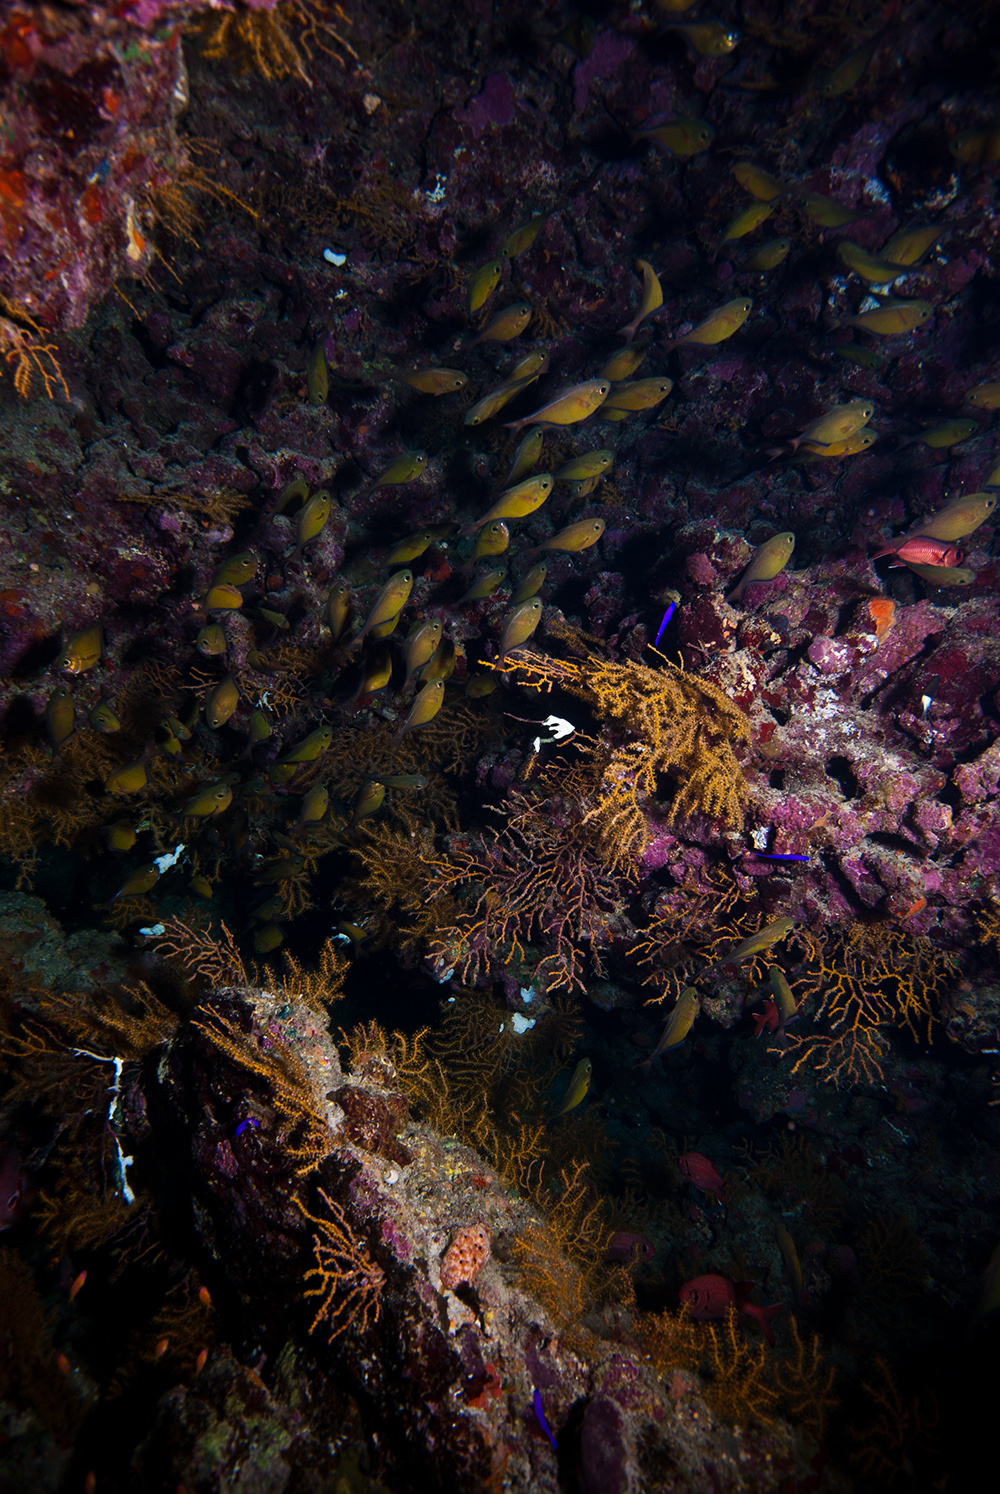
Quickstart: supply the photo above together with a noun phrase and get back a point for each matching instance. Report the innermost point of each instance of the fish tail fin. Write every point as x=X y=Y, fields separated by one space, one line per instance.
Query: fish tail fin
x=762 y=1316
x=630 y=329
x=645 y=1065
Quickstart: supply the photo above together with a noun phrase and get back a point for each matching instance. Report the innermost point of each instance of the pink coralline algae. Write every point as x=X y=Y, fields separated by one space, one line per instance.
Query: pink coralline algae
x=465 y=1257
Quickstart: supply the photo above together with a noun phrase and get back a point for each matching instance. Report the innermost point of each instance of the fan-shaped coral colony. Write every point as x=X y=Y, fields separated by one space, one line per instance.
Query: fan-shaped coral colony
x=500 y=779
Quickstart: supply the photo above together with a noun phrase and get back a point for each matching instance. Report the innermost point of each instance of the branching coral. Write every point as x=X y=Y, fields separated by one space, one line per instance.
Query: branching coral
x=537 y=880
x=260 y=38
x=197 y=954
x=348 y=1281
x=898 y=1425
x=670 y=722
x=22 y=346
x=867 y=979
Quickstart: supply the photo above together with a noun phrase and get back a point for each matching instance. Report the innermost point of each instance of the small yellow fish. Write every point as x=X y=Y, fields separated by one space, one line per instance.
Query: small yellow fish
x=492 y=403
x=493 y=540
x=993 y=477
x=849 y=72
x=223 y=598
x=237 y=570
x=317 y=374
x=578 y=1086
x=284 y=870
x=312 y=517
x=401 y=469
x=507 y=324
x=201 y=887
x=746 y=220
x=367 y=802
x=758 y=182
x=376 y=670
x=337 y=612
x=793 y=1266
x=442 y=663
x=976 y=147
x=909 y=245
x=310 y=748
x=275 y=619
x=894 y=318
x=942 y=575
x=352 y=931
x=128 y=779
x=426 y=704
x=531 y=585
x=519 y=501
x=638 y=394
x=221 y=702
x=526 y=457
x=60 y=716
x=482 y=285
x=784 y=1000
x=855 y=353
x=623 y=364
x=484 y=586
x=989 y=1292
x=421 y=642
x=83 y=651
x=211 y=640
x=259 y=731
x=709 y=38
x=575 y=537
x=755 y=944
x=568 y=408
x=267 y=910
x=587 y=464
x=721 y=324
x=766 y=562
x=139 y=883
x=678 y=1025
x=521 y=240
x=120 y=836
x=959 y=518
x=295 y=493
x=871 y=267
x=828 y=213
x=314 y=806
x=402 y=780
x=388 y=604
x=478 y=686
x=434 y=380
x=531 y=366
x=947 y=433
x=409 y=549
x=682 y=137
x=652 y=300
x=769 y=256
x=281 y=773
x=103 y=719
x=267 y=939
x=520 y=624
x=584 y=486
x=838 y=423
x=209 y=801
x=985 y=396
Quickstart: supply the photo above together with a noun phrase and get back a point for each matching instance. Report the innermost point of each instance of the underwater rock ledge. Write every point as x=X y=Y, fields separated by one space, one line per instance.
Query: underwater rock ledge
x=296 y=1185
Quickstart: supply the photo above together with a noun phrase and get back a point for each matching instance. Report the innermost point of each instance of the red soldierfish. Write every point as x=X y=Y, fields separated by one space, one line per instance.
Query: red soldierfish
x=710 y=1297
x=699 y=1171
x=629 y=1247
x=922 y=549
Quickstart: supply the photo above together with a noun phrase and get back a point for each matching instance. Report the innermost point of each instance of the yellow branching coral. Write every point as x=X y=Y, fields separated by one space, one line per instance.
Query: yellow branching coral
x=348 y=1281
x=867 y=979
x=22 y=345
x=260 y=38
x=897 y=1426
x=672 y=723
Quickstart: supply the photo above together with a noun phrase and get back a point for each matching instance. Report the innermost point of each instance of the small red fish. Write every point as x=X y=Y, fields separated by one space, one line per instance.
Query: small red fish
x=631 y=1248
x=699 y=1171
x=766 y=1018
x=710 y=1297
x=922 y=549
